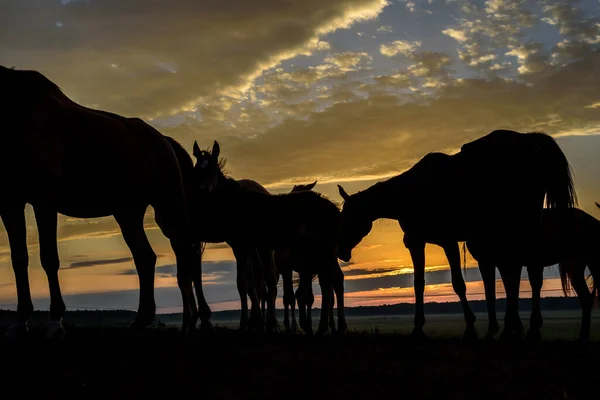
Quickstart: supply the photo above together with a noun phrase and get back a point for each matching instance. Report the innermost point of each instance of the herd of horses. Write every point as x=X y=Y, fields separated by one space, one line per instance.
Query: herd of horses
x=61 y=157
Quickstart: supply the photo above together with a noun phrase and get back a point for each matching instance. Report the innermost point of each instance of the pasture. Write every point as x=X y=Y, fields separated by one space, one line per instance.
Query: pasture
x=376 y=359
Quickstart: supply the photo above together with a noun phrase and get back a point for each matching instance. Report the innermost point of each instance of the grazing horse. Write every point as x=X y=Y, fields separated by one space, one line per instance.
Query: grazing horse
x=304 y=293
x=84 y=163
x=569 y=238
x=507 y=173
x=304 y=222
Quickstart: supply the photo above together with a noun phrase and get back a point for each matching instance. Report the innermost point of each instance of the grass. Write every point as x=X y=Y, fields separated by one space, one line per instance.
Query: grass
x=376 y=359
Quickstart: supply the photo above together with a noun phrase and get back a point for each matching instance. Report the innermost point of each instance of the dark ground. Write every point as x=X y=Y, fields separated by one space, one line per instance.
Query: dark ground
x=105 y=362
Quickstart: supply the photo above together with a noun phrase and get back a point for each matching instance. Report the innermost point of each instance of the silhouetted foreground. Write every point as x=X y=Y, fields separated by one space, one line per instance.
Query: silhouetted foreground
x=223 y=364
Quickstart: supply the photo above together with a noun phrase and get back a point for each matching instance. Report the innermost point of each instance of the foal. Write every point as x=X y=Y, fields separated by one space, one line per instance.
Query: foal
x=569 y=238
x=304 y=293
x=305 y=223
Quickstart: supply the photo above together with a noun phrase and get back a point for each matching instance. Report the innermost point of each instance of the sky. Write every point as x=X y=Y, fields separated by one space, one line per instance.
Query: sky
x=340 y=91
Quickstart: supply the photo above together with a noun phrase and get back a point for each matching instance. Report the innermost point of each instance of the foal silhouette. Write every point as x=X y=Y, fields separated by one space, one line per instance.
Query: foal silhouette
x=61 y=157
x=304 y=222
x=304 y=294
x=494 y=188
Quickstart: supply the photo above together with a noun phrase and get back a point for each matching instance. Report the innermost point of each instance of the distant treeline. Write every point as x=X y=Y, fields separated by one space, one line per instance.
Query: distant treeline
x=123 y=316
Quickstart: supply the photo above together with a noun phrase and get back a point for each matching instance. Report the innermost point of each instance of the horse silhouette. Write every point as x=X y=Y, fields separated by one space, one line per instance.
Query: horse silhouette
x=304 y=294
x=492 y=189
x=65 y=158
x=569 y=238
x=255 y=269
x=303 y=222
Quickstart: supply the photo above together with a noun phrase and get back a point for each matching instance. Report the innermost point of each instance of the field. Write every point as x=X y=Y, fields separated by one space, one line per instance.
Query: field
x=375 y=360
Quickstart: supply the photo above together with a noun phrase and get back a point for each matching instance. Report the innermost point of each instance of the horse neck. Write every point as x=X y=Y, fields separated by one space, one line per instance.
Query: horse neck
x=244 y=203
x=382 y=203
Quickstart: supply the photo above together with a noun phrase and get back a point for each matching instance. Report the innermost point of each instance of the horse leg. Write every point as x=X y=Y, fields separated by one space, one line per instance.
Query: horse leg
x=488 y=275
x=256 y=290
x=144 y=258
x=16 y=229
x=46 y=221
x=241 y=260
x=288 y=298
x=325 y=284
x=536 y=281
x=270 y=278
x=306 y=299
x=337 y=283
x=458 y=284
x=203 y=307
x=417 y=253
x=586 y=300
x=301 y=305
x=331 y=308
x=511 y=277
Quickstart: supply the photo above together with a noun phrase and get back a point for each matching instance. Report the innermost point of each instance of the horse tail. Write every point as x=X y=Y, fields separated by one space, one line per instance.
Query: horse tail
x=564 y=278
x=558 y=176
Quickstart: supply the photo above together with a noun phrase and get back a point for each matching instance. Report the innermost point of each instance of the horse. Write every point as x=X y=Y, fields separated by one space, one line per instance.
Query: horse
x=304 y=294
x=570 y=238
x=81 y=162
x=304 y=222
x=509 y=174
x=256 y=272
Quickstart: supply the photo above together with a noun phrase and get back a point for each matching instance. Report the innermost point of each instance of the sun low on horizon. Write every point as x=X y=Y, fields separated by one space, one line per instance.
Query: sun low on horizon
x=347 y=92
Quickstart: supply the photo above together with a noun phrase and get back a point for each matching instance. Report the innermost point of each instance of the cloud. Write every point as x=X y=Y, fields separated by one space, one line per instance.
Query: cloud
x=399 y=47
x=171 y=56
x=96 y=263
x=337 y=144
x=213 y=272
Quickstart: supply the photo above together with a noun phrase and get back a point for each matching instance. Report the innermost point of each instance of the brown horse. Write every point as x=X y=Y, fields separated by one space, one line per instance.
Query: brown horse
x=304 y=222
x=570 y=238
x=85 y=163
x=508 y=175
x=304 y=294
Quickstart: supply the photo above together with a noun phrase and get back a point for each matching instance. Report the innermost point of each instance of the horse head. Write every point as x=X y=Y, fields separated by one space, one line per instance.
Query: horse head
x=355 y=225
x=207 y=168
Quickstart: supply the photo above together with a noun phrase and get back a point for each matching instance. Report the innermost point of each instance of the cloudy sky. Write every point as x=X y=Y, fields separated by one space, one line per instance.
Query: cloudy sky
x=339 y=91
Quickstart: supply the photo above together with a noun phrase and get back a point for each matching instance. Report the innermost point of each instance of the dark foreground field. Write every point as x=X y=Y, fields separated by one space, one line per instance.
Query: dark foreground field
x=103 y=361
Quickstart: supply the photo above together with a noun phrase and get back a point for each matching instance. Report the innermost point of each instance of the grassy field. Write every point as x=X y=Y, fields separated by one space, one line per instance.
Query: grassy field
x=376 y=359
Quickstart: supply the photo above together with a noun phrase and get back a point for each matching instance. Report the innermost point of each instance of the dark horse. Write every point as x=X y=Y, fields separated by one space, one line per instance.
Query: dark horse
x=64 y=158
x=304 y=222
x=256 y=273
x=570 y=238
x=304 y=294
x=493 y=189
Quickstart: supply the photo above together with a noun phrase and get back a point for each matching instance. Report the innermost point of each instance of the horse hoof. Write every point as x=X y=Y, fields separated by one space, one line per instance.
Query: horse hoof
x=206 y=326
x=470 y=336
x=419 y=336
x=17 y=331
x=186 y=331
x=54 y=330
x=510 y=338
x=533 y=337
x=583 y=341
x=490 y=338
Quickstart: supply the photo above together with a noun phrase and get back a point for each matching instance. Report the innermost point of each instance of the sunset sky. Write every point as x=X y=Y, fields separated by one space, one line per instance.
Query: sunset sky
x=340 y=91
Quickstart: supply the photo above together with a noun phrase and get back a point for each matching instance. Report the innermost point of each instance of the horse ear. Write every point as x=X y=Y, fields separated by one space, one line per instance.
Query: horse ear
x=311 y=185
x=197 y=151
x=343 y=193
x=216 y=150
